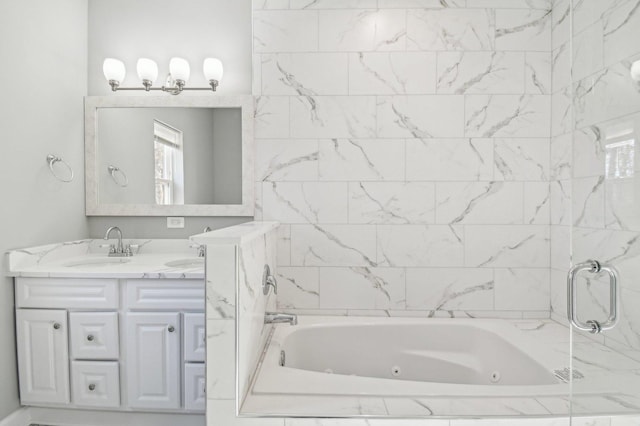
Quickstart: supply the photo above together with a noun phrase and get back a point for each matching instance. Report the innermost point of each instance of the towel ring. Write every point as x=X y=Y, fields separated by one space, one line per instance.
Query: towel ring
x=51 y=160
x=123 y=180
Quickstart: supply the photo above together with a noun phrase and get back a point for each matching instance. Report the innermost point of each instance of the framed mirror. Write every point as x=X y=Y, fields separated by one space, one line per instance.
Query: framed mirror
x=169 y=156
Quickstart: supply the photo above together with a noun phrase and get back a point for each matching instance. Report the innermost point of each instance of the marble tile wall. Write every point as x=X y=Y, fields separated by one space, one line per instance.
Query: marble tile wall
x=404 y=145
x=595 y=122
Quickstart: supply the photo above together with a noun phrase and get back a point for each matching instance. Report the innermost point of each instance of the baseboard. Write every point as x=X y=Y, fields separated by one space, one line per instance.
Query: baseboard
x=74 y=417
x=20 y=417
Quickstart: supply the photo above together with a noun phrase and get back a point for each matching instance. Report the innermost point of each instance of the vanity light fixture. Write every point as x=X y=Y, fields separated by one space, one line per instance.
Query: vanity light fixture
x=179 y=72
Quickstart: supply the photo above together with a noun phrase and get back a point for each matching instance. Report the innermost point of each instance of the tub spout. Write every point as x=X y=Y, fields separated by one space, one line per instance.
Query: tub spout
x=279 y=318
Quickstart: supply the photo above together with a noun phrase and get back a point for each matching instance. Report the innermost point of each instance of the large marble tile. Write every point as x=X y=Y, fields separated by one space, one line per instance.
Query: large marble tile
x=362 y=288
x=450 y=29
x=588 y=51
x=528 y=30
x=522 y=289
x=589 y=153
x=425 y=116
x=283 y=245
x=621 y=27
x=449 y=159
x=271 y=117
x=287 y=160
x=522 y=159
x=606 y=95
x=587 y=201
x=511 y=4
x=561 y=67
x=332 y=4
x=525 y=246
x=537 y=203
x=538 y=69
x=561 y=20
x=270 y=4
x=333 y=245
x=561 y=153
x=285 y=31
x=305 y=202
x=561 y=112
x=479 y=203
x=305 y=74
x=298 y=287
x=481 y=72
x=333 y=116
x=392 y=73
x=356 y=30
x=507 y=116
x=416 y=245
x=361 y=159
x=438 y=289
x=391 y=202
x=420 y=4
x=221 y=380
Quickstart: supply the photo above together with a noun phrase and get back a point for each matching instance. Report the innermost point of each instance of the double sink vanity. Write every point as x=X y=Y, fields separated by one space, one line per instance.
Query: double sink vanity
x=103 y=330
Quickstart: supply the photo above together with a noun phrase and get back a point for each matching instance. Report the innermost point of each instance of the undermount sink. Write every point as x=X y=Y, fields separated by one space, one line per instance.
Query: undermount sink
x=100 y=261
x=193 y=262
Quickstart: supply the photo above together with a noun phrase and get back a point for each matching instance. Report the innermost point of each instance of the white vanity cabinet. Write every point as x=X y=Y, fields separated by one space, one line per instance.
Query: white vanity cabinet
x=43 y=355
x=123 y=344
x=153 y=345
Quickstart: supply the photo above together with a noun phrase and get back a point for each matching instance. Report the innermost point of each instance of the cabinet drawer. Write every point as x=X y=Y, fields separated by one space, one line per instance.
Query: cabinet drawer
x=66 y=293
x=194 y=337
x=165 y=294
x=194 y=387
x=94 y=335
x=95 y=384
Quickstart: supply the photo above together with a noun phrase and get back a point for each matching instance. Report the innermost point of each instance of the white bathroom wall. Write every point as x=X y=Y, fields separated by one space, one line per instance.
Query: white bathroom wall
x=405 y=147
x=161 y=29
x=44 y=70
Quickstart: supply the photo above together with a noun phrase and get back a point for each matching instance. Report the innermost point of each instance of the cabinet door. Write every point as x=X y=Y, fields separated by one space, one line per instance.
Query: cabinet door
x=43 y=358
x=194 y=337
x=153 y=360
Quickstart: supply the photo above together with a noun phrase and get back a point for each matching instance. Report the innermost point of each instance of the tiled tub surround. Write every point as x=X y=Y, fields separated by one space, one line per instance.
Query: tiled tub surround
x=604 y=179
x=294 y=392
x=405 y=148
x=236 y=333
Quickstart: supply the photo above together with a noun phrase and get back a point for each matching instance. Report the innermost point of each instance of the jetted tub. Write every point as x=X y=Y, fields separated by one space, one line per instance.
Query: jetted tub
x=406 y=357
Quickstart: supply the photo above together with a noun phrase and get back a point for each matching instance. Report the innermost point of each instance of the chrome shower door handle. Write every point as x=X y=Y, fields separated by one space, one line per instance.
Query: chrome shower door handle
x=594 y=267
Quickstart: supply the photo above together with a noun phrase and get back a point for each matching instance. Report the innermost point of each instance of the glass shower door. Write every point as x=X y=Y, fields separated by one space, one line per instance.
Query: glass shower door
x=604 y=232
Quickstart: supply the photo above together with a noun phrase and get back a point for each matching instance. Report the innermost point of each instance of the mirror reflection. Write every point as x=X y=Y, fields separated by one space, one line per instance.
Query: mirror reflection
x=169 y=155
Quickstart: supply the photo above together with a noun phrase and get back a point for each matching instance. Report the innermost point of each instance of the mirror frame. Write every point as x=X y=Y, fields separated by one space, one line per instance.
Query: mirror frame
x=93 y=205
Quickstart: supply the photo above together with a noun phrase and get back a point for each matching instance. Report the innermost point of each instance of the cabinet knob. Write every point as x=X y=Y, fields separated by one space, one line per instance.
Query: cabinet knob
x=90 y=338
x=171 y=329
x=92 y=387
x=56 y=326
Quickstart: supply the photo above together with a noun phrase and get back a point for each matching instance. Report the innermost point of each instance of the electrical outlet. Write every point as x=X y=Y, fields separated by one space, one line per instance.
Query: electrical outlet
x=175 y=222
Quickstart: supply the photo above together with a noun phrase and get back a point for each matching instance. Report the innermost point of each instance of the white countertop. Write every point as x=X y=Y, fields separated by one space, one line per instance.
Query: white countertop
x=237 y=234
x=74 y=260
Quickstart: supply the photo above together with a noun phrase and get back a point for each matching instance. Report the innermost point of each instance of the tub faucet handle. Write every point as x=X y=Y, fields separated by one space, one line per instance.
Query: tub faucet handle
x=268 y=280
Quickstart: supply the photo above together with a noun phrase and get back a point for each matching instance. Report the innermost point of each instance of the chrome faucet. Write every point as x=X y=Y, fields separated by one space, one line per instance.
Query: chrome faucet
x=120 y=250
x=280 y=318
x=202 y=249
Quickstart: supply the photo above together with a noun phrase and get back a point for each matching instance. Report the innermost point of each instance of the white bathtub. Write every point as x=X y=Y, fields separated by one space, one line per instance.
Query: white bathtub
x=406 y=357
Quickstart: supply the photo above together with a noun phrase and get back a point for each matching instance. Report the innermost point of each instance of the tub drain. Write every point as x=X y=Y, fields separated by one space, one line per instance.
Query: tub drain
x=495 y=377
x=396 y=371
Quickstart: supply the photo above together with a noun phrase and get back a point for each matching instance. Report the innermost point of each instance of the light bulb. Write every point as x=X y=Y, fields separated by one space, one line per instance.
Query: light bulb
x=635 y=71
x=147 y=70
x=213 y=69
x=113 y=70
x=179 y=69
